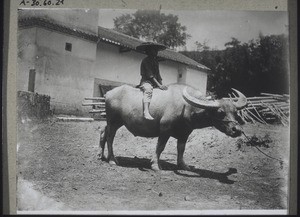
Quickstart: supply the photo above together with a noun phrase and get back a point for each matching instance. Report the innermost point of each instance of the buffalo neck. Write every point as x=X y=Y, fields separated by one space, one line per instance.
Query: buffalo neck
x=197 y=117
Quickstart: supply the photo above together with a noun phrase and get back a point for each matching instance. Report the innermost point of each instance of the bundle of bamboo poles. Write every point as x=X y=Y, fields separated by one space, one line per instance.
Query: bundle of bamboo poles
x=267 y=109
x=98 y=107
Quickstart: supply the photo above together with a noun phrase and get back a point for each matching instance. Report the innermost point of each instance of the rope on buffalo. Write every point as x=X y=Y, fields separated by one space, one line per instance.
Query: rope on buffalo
x=280 y=161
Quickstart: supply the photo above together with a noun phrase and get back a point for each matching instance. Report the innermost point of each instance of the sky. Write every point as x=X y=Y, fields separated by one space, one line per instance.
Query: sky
x=217 y=27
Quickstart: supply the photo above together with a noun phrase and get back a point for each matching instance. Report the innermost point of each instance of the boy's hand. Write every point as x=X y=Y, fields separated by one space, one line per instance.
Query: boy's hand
x=163 y=87
x=160 y=85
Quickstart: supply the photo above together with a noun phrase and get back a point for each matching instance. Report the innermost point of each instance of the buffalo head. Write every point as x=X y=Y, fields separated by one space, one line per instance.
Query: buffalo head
x=221 y=113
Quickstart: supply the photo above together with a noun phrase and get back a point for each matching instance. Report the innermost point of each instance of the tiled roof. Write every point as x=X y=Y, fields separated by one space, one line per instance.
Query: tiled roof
x=29 y=22
x=114 y=37
x=110 y=36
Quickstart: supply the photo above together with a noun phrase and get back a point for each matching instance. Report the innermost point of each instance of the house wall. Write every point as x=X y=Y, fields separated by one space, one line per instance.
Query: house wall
x=115 y=66
x=66 y=76
x=125 y=67
x=182 y=70
x=169 y=71
x=197 y=79
x=27 y=50
x=69 y=77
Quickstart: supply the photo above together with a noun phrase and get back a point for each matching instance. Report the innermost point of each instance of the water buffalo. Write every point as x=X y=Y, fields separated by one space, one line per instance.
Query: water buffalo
x=176 y=111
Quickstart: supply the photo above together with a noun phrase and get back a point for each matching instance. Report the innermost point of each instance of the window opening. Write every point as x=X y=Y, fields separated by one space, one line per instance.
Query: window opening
x=68 y=47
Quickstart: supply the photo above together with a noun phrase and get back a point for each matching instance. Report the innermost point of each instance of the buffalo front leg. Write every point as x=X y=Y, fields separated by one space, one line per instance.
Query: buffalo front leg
x=111 y=132
x=180 y=151
x=161 y=144
x=103 y=139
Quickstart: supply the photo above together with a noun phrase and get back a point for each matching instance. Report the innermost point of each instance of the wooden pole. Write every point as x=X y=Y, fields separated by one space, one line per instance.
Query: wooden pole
x=258 y=114
x=97 y=111
x=94 y=98
x=93 y=103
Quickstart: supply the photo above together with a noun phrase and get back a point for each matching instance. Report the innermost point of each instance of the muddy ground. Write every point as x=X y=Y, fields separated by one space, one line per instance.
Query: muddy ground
x=58 y=160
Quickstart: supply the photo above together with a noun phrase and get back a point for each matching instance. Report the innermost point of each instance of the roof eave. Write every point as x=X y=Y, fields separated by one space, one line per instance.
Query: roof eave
x=133 y=42
x=200 y=68
x=43 y=23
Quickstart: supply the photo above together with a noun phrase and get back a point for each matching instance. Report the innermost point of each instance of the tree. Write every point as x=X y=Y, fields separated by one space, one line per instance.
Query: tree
x=273 y=63
x=258 y=66
x=202 y=46
x=233 y=43
x=153 y=26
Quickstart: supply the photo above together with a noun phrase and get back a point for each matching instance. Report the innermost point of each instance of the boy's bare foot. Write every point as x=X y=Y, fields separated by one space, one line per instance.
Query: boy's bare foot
x=148 y=116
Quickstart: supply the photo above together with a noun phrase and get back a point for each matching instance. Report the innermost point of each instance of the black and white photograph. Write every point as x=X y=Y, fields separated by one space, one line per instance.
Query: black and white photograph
x=125 y=111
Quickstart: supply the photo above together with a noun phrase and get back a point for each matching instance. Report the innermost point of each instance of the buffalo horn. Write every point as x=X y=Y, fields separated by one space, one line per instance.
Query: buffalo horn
x=201 y=103
x=242 y=100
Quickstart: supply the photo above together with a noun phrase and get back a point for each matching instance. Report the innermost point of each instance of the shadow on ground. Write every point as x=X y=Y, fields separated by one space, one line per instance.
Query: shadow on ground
x=144 y=164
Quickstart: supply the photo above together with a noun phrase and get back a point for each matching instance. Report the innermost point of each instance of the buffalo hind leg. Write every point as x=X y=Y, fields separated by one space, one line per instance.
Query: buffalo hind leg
x=111 y=132
x=180 y=151
x=161 y=144
x=103 y=139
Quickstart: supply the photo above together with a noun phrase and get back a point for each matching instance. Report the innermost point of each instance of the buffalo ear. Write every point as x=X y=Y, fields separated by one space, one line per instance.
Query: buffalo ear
x=199 y=113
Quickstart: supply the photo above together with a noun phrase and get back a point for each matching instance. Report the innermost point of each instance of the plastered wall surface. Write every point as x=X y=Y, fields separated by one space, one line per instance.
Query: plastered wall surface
x=66 y=76
x=125 y=67
x=197 y=79
x=115 y=66
x=27 y=50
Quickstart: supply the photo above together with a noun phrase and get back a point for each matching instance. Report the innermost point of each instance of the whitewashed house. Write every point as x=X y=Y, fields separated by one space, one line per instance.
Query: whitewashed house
x=117 y=60
x=64 y=54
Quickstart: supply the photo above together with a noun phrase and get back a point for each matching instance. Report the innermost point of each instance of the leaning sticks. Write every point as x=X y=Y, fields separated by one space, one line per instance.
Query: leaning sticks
x=266 y=109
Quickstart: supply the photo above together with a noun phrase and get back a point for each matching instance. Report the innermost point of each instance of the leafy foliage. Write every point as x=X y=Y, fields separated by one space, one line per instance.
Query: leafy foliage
x=257 y=66
x=153 y=26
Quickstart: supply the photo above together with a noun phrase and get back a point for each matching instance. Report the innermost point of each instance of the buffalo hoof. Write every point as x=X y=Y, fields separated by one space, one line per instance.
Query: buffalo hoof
x=155 y=167
x=113 y=162
x=185 y=167
x=101 y=157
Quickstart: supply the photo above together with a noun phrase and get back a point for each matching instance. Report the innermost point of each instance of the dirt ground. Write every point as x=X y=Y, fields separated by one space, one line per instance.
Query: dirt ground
x=58 y=160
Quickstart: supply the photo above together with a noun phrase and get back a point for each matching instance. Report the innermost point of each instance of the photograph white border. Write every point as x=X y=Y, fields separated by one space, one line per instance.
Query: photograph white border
x=10 y=69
